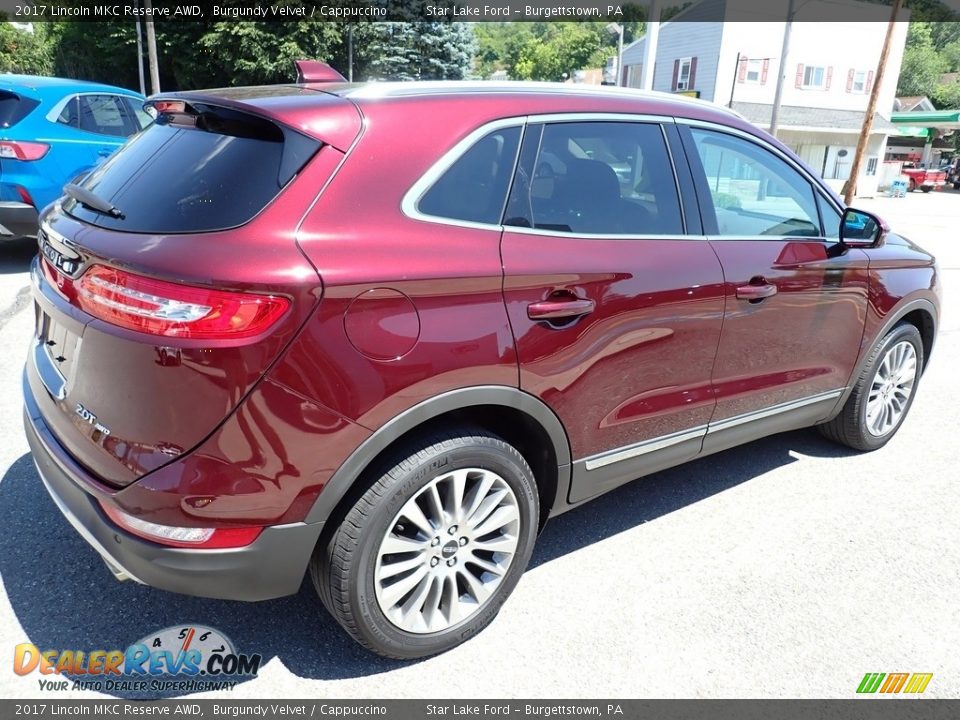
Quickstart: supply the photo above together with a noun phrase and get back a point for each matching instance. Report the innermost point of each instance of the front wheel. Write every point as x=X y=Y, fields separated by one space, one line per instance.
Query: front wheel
x=883 y=393
x=925 y=188
x=428 y=554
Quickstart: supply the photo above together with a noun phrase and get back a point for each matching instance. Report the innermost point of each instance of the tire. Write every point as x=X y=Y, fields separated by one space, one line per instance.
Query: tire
x=925 y=188
x=862 y=423
x=440 y=548
x=913 y=185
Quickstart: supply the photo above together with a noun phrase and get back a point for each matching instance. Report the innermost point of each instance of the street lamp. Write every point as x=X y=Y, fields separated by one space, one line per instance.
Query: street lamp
x=617 y=29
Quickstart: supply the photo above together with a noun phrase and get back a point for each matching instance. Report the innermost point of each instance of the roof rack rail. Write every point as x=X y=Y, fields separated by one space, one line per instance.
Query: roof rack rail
x=316 y=71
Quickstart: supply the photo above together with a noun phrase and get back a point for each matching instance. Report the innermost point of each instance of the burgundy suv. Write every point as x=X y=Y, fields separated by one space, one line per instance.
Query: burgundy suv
x=384 y=332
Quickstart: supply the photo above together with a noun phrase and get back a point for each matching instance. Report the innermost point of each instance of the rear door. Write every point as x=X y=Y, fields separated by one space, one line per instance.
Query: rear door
x=614 y=296
x=796 y=300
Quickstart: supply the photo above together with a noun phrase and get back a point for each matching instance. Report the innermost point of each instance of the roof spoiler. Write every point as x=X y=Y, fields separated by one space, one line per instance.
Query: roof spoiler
x=316 y=71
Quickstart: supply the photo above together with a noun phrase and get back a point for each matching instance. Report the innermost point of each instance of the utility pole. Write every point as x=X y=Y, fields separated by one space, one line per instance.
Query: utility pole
x=650 y=45
x=733 y=85
x=851 y=188
x=152 y=49
x=143 y=86
x=782 y=75
x=350 y=52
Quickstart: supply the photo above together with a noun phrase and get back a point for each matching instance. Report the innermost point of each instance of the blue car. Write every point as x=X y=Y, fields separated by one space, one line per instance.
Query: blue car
x=51 y=131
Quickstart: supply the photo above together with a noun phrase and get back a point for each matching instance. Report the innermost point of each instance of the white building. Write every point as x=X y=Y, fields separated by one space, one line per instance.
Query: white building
x=829 y=69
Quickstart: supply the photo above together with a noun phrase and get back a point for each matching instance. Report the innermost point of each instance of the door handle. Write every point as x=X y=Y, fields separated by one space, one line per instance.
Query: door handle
x=756 y=292
x=560 y=307
x=105 y=152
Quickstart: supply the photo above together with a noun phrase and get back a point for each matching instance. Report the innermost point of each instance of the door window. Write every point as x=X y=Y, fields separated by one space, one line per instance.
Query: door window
x=605 y=178
x=754 y=192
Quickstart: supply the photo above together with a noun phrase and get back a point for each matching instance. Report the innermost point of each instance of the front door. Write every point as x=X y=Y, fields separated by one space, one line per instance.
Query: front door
x=796 y=300
x=615 y=307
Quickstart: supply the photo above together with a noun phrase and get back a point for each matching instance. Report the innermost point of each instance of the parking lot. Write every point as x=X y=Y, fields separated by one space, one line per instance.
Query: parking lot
x=786 y=568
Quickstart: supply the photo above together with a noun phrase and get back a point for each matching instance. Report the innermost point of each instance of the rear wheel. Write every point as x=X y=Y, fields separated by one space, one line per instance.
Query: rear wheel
x=428 y=554
x=883 y=393
x=913 y=185
x=925 y=188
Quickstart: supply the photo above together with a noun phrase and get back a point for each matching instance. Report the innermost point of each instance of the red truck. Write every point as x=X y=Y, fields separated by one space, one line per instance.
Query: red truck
x=925 y=179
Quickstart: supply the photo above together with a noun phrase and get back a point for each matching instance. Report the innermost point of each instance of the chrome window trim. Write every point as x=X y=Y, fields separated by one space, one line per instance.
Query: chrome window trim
x=55 y=111
x=627 y=452
x=600 y=236
x=814 y=181
x=408 y=205
x=411 y=199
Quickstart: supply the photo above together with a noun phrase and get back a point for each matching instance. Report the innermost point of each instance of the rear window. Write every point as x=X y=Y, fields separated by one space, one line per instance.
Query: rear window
x=14 y=108
x=211 y=169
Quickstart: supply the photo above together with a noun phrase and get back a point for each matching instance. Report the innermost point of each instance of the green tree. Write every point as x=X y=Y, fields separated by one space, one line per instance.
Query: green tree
x=947 y=96
x=252 y=53
x=922 y=64
x=24 y=51
x=415 y=51
x=101 y=51
x=565 y=47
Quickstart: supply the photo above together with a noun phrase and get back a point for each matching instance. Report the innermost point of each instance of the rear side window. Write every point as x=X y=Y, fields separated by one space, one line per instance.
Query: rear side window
x=596 y=178
x=474 y=188
x=14 y=108
x=100 y=114
x=198 y=173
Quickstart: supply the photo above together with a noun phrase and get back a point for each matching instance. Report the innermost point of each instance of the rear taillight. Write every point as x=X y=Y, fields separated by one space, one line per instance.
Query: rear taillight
x=184 y=537
x=22 y=150
x=173 y=310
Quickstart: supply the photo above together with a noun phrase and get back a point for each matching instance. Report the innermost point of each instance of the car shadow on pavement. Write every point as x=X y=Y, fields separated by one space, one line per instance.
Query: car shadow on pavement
x=65 y=598
x=15 y=255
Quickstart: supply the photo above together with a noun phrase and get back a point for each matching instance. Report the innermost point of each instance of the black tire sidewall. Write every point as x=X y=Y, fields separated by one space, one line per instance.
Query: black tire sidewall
x=485 y=453
x=898 y=334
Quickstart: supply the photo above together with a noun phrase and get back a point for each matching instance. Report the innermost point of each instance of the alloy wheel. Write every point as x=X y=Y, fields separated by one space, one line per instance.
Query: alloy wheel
x=447 y=550
x=891 y=388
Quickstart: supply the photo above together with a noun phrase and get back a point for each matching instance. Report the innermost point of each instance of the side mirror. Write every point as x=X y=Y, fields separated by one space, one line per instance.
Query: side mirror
x=859 y=228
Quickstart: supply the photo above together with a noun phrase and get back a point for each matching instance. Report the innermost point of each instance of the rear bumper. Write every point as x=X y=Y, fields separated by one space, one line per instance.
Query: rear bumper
x=272 y=566
x=18 y=220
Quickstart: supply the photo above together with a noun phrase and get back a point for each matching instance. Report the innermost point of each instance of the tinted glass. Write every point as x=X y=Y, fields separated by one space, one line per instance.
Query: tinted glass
x=172 y=179
x=474 y=188
x=830 y=218
x=70 y=115
x=755 y=192
x=605 y=178
x=14 y=108
x=135 y=109
x=105 y=115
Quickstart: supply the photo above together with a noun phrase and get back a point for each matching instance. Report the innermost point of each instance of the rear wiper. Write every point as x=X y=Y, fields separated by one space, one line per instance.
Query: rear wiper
x=91 y=201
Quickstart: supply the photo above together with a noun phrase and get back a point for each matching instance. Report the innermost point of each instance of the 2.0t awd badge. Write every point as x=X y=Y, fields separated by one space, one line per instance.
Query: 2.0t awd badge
x=91 y=419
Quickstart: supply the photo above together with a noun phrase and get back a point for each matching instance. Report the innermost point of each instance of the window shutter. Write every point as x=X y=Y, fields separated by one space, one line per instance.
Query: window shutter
x=742 y=70
x=676 y=74
x=850 y=80
x=763 y=74
x=829 y=77
x=692 y=80
x=800 y=75
x=869 y=81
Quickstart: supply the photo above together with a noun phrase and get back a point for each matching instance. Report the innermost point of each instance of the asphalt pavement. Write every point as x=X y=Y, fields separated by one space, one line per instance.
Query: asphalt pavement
x=785 y=568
